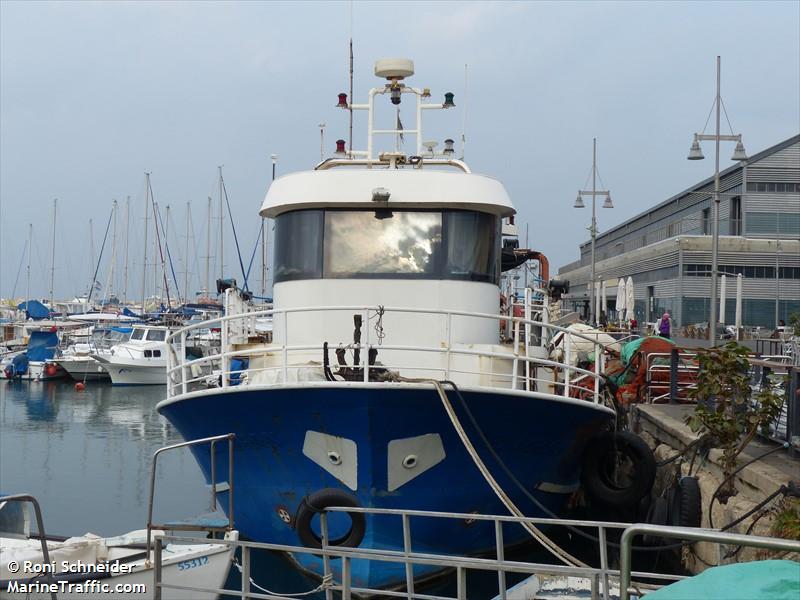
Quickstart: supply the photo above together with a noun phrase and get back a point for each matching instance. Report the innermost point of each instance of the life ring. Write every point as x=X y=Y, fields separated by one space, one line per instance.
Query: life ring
x=618 y=469
x=685 y=505
x=316 y=503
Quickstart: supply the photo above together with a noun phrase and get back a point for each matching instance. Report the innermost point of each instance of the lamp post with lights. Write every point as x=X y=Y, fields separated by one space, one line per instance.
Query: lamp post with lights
x=593 y=228
x=695 y=153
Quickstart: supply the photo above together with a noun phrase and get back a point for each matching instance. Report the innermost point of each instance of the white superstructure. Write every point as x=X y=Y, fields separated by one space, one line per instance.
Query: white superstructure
x=142 y=360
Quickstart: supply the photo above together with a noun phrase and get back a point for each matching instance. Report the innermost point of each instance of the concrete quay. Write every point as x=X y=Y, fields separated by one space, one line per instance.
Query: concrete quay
x=663 y=427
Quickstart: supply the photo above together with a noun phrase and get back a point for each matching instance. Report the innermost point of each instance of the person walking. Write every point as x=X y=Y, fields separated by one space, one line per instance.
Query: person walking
x=664 y=326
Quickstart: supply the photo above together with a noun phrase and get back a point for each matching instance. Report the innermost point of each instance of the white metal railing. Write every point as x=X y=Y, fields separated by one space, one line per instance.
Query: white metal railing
x=527 y=371
x=658 y=365
x=602 y=578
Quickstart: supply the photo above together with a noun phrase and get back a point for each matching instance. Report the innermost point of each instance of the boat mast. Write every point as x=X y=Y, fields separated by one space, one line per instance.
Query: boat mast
x=165 y=252
x=156 y=248
x=53 y=254
x=91 y=259
x=186 y=254
x=144 y=263
x=208 y=249
x=127 y=232
x=264 y=239
x=28 y=284
x=221 y=228
x=110 y=286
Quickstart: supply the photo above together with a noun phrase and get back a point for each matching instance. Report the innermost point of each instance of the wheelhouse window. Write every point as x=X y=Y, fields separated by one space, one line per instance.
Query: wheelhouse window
x=386 y=243
x=138 y=334
x=156 y=335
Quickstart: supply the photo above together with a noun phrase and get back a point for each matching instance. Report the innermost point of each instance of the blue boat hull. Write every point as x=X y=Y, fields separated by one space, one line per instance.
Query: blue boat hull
x=540 y=438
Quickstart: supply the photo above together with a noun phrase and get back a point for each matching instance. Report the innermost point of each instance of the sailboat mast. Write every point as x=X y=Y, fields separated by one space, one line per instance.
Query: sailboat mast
x=91 y=258
x=30 y=246
x=110 y=286
x=127 y=235
x=165 y=252
x=186 y=254
x=53 y=254
x=221 y=228
x=208 y=250
x=144 y=263
x=156 y=249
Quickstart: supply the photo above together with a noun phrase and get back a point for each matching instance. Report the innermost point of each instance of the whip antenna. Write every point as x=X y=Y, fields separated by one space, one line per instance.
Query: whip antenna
x=351 y=78
x=464 y=116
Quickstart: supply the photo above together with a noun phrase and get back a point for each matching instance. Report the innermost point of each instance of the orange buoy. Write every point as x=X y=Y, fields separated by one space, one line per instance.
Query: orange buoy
x=51 y=369
x=80 y=386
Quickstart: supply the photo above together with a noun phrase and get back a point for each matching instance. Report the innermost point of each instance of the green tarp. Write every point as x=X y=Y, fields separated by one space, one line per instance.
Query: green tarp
x=758 y=580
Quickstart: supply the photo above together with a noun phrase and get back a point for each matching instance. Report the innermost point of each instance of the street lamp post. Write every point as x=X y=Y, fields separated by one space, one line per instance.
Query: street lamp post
x=695 y=153
x=593 y=228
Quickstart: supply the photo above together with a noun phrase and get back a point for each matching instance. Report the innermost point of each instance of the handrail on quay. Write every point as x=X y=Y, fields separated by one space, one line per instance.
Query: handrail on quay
x=230 y=437
x=690 y=533
x=21 y=498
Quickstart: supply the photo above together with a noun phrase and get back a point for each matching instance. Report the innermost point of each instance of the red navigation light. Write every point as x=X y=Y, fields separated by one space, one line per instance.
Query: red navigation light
x=340 y=147
x=342 y=101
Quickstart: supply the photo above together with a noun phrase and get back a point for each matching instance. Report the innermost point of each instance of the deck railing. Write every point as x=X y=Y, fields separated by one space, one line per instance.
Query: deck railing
x=525 y=369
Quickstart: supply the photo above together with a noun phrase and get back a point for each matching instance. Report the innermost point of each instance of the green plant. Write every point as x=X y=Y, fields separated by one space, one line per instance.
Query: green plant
x=794 y=322
x=787 y=520
x=725 y=410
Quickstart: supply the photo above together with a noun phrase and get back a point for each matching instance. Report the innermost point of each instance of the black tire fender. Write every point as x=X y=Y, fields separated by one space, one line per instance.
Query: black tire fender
x=658 y=514
x=600 y=458
x=685 y=507
x=316 y=503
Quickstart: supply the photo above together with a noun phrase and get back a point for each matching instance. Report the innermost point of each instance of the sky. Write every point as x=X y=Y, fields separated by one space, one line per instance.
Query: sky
x=94 y=94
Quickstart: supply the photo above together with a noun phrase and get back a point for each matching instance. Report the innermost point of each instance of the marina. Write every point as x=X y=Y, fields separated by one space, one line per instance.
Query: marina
x=382 y=378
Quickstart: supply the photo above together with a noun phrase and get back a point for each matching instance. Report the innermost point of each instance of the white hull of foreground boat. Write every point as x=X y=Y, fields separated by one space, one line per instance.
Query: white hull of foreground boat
x=203 y=566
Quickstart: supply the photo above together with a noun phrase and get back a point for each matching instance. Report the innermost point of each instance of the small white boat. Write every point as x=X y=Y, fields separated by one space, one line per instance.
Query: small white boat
x=78 y=360
x=90 y=566
x=36 y=363
x=142 y=360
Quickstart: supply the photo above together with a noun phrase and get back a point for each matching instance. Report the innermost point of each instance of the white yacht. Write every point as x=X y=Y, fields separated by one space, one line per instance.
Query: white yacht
x=78 y=359
x=141 y=360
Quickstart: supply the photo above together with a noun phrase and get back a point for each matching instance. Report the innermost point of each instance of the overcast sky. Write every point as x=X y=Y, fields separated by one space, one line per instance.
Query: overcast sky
x=94 y=94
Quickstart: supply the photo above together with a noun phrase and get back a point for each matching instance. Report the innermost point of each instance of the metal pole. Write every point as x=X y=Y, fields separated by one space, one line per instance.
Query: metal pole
x=53 y=255
x=28 y=284
x=321 y=145
x=144 y=263
x=208 y=250
x=712 y=333
x=221 y=228
x=593 y=313
x=127 y=235
x=186 y=256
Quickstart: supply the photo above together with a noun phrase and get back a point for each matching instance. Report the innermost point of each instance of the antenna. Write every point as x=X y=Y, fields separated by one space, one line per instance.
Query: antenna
x=350 y=145
x=464 y=116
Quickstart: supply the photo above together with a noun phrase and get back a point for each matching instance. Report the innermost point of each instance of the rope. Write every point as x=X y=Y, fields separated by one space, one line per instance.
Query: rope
x=326 y=583
x=536 y=533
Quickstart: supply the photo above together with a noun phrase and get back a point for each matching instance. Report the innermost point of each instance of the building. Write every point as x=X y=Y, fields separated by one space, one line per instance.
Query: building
x=667 y=249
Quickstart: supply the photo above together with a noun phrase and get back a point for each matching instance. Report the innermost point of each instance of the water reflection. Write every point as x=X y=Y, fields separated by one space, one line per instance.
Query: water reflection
x=86 y=456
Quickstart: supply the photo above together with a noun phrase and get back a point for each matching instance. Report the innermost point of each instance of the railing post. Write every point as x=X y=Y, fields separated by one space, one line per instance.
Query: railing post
x=500 y=548
x=326 y=559
x=603 y=559
x=407 y=552
x=793 y=412
x=346 y=575
x=461 y=576
x=365 y=353
x=673 y=376
x=598 y=368
x=567 y=360
x=213 y=461
x=182 y=361
x=245 y=572
x=224 y=349
x=449 y=335
x=285 y=350
x=157 y=570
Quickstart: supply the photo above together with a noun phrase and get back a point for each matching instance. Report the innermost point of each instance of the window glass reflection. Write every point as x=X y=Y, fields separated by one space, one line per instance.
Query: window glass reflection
x=367 y=242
